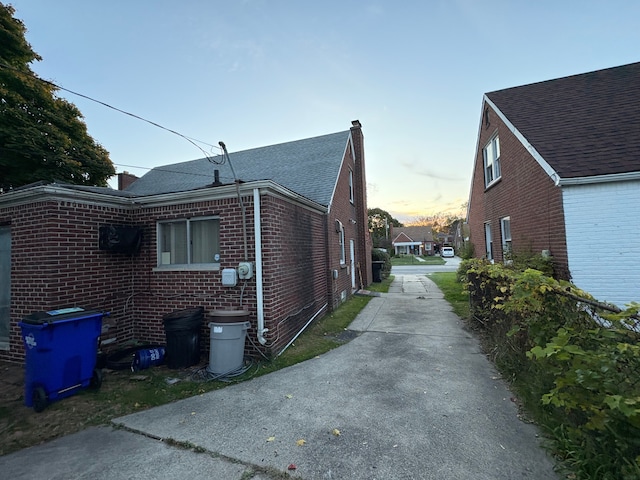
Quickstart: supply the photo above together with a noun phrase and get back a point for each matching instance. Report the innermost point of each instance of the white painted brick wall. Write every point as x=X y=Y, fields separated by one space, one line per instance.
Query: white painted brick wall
x=603 y=239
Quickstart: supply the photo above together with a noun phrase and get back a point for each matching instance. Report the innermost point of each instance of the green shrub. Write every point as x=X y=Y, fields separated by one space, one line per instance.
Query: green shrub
x=573 y=360
x=466 y=251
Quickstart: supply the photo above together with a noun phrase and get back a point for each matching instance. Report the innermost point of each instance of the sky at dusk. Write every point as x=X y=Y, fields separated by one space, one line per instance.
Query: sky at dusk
x=261 y=72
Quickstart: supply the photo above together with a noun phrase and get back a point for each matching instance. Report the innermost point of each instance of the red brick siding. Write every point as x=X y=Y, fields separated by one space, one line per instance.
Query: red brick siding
x=525 y=193
x=349 y=215
x=56 y=263
x=295 y=268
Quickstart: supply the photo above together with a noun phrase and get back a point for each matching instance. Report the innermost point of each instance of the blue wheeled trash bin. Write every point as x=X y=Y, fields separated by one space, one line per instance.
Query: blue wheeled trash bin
x=61 y=350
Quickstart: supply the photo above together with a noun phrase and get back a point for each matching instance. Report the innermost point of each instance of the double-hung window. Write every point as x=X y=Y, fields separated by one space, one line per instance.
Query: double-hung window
x=194 y=241
x=343 y=258
x=505 y=230
x=351 y=197
x=491 y=160
x=488 y=241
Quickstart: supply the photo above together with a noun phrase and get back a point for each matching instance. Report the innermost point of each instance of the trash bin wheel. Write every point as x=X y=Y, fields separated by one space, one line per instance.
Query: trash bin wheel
x=40 y=400
x=96 y=379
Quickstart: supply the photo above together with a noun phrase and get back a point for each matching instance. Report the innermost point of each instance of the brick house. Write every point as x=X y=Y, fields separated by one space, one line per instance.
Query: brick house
x=297 y=215
x=557 y=170
x=417 y=240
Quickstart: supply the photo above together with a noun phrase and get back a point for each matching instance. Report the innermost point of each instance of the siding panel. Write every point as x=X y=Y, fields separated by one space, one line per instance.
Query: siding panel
x=603 y=240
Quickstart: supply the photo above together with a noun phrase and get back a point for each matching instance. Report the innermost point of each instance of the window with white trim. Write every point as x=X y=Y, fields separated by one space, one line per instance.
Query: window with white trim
x=351 y=186
x=505 y=231
x=189 y=242
x=488 y=242
x=491 y=161
x=343 y=259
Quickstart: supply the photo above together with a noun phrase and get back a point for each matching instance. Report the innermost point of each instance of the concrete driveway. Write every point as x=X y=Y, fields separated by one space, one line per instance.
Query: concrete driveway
x=411 y=397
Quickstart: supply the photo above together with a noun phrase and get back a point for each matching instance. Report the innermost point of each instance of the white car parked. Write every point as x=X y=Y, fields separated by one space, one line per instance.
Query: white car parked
x=447 y=252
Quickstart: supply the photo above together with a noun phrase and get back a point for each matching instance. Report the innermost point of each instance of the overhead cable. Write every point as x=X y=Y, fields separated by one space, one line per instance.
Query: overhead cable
x=188 y=139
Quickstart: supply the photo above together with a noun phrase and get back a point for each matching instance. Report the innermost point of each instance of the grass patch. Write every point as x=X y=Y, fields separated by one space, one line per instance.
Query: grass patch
x=412 y=260
x=382 y=287
x=453 y=291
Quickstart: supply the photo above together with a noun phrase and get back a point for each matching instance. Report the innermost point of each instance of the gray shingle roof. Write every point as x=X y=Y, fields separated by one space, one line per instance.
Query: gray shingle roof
x=582 y=125
x=308 y=167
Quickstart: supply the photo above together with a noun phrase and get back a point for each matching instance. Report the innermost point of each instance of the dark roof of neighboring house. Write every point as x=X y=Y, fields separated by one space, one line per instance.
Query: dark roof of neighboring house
x=307 y=167
x=415 y=233
x=582 y=125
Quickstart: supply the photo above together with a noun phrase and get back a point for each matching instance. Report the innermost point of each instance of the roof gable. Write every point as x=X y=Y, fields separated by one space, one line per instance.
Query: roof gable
x=583 y=125
x=309 y=167
x=402 y=238
x=416 y=233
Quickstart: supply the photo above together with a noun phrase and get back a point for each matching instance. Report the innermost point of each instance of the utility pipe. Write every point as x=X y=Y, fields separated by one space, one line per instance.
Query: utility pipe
x=258 y=249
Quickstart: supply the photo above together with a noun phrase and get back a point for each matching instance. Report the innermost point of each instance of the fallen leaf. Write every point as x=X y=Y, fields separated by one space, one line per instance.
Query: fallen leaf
x=271 y=439
x=301 y=442
x=292 y=466
x=336 y=432
x=288 y=396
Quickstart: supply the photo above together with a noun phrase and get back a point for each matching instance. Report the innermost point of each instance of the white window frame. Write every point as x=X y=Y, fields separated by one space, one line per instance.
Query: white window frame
x=488 y=242
x=162 y=258
x=505 y=233
x=351 y=196
x=341 y=240
x=491 y=161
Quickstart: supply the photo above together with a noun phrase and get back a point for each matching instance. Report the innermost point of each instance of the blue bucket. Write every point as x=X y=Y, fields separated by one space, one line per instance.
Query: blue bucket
x=147 y=357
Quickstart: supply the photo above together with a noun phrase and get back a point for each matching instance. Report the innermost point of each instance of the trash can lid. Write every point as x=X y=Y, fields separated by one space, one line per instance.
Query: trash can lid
x=39 y=318
x=228 y=316
x=228 y=313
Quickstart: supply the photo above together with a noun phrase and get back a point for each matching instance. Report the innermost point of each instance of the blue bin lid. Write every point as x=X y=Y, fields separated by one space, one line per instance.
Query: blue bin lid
x=40 y=318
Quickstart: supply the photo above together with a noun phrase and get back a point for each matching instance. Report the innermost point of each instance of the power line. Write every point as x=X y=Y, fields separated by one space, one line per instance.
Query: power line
x=188 y=139
x=167 y=170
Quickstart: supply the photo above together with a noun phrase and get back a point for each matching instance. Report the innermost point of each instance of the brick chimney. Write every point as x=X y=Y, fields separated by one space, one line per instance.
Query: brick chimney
x=362 y=217
x=125 y=179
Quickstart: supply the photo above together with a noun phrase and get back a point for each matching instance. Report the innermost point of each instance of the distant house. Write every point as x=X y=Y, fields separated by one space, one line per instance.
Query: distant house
x=412 y=240
x=557 y=170
x=294 y=217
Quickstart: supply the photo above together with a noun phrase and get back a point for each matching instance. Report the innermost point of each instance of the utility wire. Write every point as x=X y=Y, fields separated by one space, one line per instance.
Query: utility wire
x=188 y=139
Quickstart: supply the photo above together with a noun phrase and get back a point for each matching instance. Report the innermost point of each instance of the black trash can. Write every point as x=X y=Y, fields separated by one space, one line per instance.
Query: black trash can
x=377 y=271
x=182 y=329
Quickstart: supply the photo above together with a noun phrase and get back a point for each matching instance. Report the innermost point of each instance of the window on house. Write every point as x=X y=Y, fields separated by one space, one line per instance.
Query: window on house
x=188 y=242
x=491 y=160
x=505 y=229
x=488 y=242
x=341 y=241
x=351 y=186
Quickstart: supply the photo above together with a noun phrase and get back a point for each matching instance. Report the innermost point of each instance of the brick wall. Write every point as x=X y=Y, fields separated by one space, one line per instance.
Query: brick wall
x=56 y=263
x=295 y=268
x=525 y=193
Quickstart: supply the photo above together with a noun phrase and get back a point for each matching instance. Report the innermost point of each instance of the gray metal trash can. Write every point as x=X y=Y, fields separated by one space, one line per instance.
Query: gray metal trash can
x=226 y=350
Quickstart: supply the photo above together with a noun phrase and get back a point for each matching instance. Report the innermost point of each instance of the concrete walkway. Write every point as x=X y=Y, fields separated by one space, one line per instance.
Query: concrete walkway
x=411 y=397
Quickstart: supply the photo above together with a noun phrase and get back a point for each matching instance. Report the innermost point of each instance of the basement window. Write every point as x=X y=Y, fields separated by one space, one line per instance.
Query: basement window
x=189 y=243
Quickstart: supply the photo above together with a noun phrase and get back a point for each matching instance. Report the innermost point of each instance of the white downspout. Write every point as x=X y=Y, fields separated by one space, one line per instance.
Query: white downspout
x=258 y=247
